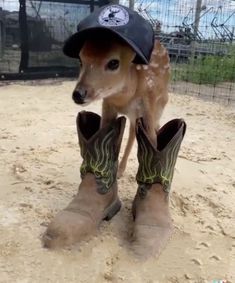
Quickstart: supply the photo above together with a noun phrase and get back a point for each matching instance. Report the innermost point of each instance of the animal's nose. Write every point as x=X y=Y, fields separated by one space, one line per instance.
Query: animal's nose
x=79 y=96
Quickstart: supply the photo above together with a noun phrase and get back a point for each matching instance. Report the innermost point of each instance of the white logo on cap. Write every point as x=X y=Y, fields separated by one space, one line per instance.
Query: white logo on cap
x=113 y=15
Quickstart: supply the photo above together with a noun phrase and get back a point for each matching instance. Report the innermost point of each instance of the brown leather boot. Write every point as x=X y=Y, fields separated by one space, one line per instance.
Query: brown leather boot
x=153 y=223
x=97 y=197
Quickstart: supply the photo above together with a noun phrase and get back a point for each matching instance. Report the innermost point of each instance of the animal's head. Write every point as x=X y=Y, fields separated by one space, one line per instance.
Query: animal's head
x=105 y=65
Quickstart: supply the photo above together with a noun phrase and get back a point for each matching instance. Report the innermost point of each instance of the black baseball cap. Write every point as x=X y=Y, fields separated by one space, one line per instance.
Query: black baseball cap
x=117 y=20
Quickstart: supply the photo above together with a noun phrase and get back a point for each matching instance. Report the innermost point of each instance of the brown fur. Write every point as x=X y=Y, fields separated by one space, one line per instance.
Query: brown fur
x=133 y=90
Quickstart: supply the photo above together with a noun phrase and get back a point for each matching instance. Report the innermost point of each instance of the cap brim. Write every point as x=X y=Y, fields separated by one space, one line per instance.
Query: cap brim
x=74 y=44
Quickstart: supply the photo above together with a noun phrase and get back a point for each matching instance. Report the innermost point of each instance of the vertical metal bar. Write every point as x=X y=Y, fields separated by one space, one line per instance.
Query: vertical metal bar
x=1 y=39
x=92 y=5
x=114 y=1
x=131 y=4
x=23 y=37
x=196 y=26
x=2 y=33
x=197 y=16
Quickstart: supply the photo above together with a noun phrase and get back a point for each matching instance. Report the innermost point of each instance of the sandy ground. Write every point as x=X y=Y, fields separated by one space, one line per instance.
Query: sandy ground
x=39 y=174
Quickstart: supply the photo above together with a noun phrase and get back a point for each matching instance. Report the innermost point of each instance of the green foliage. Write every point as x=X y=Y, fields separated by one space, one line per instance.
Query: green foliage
x=206 y=70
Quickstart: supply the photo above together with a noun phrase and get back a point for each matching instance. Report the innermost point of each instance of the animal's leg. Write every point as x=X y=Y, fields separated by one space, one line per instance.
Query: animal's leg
x=131 y=138
x=109 y=114
x=160 y=106
x=149 y=119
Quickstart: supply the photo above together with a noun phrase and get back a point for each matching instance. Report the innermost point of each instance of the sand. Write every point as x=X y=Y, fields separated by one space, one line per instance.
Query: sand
x=39 y=174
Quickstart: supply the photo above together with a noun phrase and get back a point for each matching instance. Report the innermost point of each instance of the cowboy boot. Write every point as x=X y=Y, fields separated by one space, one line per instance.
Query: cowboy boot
x=152 y=220
x=97 y=197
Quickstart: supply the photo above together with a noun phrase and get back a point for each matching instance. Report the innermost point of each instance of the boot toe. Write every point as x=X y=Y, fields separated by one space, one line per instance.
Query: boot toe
x=149 y=241
x=66 y=229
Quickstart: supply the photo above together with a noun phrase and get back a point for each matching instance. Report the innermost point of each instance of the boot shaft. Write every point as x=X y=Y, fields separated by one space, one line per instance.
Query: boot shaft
x=99 y=148
x=156 y=165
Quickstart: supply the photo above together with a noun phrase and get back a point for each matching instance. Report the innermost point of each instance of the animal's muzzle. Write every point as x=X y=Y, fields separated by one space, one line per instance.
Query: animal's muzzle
x=79 y=96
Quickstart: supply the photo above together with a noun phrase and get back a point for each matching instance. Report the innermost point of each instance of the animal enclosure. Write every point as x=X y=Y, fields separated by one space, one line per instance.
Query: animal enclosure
x=199 y=35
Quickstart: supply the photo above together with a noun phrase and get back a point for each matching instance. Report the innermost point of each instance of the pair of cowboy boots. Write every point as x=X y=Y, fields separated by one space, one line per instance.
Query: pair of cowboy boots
x=97 y=198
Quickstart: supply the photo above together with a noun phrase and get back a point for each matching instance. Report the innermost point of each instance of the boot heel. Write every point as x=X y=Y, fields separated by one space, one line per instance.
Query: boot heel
x=112 y=210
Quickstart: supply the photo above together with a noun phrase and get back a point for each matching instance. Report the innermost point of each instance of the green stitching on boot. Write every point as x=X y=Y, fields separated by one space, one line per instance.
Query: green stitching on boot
x=157 y=166
x=100 y=160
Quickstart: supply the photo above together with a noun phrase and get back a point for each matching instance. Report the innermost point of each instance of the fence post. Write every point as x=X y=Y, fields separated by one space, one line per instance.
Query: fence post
x=196 y=25
x=24 y=43
x=131 y=4
x=92 y=5
x=114 y=1
x=1 y=40
x=2 y=27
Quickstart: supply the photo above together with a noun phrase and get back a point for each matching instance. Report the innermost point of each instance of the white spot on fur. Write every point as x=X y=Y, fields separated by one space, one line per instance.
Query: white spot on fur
x=154 y=65
x=150 y=83
x=138 y=67
x=163 y=53
x=145 y=67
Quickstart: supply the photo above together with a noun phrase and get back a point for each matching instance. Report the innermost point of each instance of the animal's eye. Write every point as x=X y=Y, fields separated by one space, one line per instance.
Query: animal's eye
x=112 y=65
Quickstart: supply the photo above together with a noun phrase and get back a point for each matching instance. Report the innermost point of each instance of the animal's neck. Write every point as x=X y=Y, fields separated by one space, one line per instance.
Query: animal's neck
x=123 y=96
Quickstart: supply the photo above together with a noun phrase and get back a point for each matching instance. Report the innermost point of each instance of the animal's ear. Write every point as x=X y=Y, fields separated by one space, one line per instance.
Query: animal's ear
x=128 y=54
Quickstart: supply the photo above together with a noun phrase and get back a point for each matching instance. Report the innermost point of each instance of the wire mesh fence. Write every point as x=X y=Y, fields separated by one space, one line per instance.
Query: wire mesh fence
x=200 y=38
x=199 y=35
x=32 y=33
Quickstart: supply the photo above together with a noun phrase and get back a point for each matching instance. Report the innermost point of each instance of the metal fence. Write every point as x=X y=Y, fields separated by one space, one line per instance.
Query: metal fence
x=200 y=38
x=32 y=33
x=199 y=35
